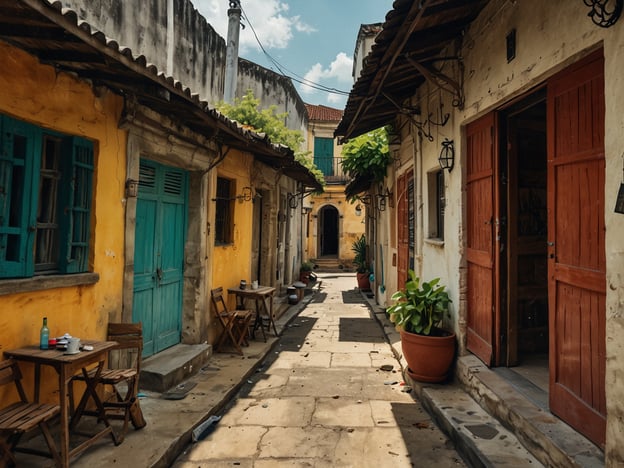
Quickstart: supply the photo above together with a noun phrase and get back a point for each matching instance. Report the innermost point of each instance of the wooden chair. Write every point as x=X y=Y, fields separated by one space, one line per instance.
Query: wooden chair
x=122 y=403
x=22 y=417
x=235 y=323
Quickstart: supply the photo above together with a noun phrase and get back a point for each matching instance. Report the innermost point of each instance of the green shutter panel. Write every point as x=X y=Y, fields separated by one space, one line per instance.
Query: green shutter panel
x=20 y=153
x=77 y=191
x=324 y=155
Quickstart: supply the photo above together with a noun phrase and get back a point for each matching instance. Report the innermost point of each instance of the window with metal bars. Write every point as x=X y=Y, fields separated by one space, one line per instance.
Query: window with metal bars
x=224 y=218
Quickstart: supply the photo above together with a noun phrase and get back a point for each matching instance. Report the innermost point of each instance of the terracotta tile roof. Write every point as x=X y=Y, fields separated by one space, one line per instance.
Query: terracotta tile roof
x=318 y=112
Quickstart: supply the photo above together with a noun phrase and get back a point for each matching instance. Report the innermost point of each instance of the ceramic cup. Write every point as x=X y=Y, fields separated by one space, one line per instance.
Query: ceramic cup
x=73 y=345
x=254 y=285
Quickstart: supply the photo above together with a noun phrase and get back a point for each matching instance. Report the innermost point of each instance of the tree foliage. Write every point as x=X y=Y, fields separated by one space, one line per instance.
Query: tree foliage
x=246 y=111
x=367 y=155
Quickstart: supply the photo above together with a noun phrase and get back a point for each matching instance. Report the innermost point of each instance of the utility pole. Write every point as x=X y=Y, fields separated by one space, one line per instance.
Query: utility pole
x=231 y=56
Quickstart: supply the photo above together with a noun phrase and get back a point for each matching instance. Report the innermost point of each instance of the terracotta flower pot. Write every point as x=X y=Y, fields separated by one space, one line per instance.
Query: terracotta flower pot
x=429 y=358
x=363 y=281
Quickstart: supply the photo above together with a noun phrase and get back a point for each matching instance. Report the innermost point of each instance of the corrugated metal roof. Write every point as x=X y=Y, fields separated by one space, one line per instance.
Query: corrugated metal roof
x=57 y=36
x=323 y=113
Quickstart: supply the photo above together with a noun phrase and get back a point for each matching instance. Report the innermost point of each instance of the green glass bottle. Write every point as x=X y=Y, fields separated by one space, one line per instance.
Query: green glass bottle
x=44 y=335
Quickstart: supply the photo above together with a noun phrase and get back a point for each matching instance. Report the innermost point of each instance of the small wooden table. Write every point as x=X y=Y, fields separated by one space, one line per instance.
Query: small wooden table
x=263 y=297
x=66 y=366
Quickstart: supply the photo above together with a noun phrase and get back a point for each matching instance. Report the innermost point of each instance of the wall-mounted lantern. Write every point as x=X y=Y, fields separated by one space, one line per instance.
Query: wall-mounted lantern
x=447 y=155
x=382 y=198
x=358 y=210
x=132 y=188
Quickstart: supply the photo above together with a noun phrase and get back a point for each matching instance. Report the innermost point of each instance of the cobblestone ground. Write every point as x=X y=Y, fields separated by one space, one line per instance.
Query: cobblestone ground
x=321 y=399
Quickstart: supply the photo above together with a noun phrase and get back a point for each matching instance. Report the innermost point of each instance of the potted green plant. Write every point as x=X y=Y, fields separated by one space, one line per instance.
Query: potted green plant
x=417 y=312
x=305 y=271
x=361 y=264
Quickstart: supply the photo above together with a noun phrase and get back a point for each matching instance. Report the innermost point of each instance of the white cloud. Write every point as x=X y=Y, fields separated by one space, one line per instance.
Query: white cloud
x=338 y=71
x=269 y=18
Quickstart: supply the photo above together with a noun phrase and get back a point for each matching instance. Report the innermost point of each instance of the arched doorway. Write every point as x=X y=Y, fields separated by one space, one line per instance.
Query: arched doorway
x=328 y=231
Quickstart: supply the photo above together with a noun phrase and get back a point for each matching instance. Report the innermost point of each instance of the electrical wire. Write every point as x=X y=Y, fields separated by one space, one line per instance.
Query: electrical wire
x=290 y=75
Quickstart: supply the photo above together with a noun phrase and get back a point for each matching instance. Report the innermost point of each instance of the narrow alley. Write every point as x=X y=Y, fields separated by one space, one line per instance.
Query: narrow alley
x=330 y=394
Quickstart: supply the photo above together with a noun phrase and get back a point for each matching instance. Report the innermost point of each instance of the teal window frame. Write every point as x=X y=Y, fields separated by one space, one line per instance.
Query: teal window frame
x=21 y=151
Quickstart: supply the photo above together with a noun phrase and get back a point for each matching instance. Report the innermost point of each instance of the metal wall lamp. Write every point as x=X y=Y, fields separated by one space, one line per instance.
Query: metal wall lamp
x=358 y=210
x=382 y=199
x=447 y=155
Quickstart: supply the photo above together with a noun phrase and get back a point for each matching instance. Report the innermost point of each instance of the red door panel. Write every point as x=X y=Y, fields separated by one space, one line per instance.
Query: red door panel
x=403 y=228
x=480 y=248
x=576 y=264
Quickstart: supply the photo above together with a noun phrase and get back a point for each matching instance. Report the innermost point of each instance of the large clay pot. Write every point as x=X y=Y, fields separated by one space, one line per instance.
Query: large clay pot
x=363 y=281
x=429 y=358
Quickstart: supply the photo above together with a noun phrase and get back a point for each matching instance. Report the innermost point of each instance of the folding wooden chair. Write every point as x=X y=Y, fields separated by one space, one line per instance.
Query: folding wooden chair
x=235 y=323
x=22 y=417
x=123 y=403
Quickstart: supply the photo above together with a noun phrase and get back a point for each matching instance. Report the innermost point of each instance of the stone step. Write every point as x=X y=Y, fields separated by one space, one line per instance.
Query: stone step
x=480 y=438
x=173 y=366
x=549 y=439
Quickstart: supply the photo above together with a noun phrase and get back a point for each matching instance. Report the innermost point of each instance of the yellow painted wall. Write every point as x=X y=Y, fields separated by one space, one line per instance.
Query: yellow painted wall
x=36 y=94
x=232 y=263
x=351 y=226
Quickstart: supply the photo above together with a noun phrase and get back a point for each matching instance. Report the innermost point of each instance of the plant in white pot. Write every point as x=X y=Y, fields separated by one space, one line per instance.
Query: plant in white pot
x=417 y=313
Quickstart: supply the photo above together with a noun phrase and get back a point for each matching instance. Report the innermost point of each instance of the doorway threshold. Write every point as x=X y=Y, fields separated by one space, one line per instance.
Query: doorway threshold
x=524 y=386
x=522 y=407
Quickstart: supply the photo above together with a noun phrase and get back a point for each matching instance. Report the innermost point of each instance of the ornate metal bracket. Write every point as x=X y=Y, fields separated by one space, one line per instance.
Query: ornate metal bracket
x=442 y=81
x=604 y=13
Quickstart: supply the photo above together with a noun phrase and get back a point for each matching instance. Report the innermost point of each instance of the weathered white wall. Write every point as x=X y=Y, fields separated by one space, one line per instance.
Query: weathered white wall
x=550 y=36
x=175 y=37
x=272 y=89
x=180 y=43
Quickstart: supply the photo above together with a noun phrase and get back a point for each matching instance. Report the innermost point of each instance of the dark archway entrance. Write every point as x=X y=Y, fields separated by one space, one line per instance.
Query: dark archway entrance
x=328 y=231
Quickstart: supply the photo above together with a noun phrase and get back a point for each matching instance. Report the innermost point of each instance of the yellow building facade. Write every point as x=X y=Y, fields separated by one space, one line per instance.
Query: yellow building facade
x=80 y=304
x=333 y=223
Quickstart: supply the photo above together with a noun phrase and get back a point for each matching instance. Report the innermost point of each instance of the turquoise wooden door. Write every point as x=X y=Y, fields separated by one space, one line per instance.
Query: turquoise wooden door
x=159 y=254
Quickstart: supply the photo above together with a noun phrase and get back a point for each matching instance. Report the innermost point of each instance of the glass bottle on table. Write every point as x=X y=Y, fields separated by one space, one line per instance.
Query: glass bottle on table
x=44 y=334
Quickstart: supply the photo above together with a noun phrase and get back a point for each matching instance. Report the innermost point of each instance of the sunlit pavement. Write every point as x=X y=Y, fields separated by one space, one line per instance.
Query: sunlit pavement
x=324 y=398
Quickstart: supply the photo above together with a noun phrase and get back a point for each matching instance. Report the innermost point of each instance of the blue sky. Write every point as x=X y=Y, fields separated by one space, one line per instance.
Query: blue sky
x=310 y=39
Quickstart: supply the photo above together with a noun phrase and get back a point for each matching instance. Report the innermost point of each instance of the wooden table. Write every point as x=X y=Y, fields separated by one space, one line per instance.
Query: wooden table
x=67 y=366
x=263 y=297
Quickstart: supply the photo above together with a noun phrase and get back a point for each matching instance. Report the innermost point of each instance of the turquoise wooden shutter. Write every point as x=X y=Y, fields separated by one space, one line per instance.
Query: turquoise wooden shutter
x=75 y=206
x=324 y=155
x=20 y=154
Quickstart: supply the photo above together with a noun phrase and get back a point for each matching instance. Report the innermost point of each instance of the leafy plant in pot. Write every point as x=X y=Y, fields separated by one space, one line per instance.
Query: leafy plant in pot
x=305 y=271
x=417 y=313
x=361 y=265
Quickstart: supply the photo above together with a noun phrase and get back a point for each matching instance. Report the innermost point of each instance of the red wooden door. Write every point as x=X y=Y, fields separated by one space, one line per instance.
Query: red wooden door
x=480 y=245
x=576 y=247
x=402 y=229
